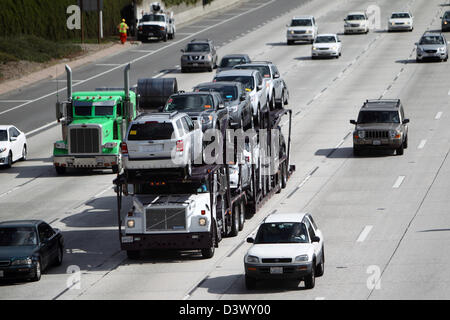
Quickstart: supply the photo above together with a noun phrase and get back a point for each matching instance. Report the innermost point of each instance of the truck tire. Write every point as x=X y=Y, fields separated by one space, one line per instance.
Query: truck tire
x=284 y=175
x=235 y=221
x=241 y=216
x=155 y=92
x=208 y=253
x=133 y=254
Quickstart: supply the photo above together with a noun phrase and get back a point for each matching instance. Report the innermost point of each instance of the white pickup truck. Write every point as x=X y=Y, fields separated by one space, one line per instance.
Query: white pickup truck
x=156 y=24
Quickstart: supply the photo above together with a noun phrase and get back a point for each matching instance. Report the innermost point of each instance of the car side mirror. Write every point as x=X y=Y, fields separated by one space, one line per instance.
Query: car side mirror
x=250 y=240
x=259 y=87
x=242 y=98
x=416 y=43
x=287 y=26
x=405 y=121
x=353 y=122
x=276 y=76
x=13 y=139
x=182 y=50
x=315 y=239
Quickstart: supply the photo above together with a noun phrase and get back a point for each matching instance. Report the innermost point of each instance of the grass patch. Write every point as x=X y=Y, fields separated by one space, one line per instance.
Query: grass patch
x=32 y=48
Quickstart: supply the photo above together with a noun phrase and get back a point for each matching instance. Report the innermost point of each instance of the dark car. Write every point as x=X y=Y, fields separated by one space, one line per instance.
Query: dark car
x=205 y=108
x=231 y=60
x=445 y=22
x=199 y=54
x=236 y=99
x=27 y=248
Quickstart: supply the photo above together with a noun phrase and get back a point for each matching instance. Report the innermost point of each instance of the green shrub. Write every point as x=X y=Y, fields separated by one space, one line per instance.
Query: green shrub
x=6 y=57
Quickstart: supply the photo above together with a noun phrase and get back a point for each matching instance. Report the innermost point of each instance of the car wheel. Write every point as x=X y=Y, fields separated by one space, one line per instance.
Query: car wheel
x=290 y=42
x=24 y=152
x=60 y=170
x=280 y=104
x=405 y=143
x=310 y=280
x=59 y=257
x=400 y=150
x=321 y=267
x=242 y=216
x=272 y=102
x=250 y=283
x=133 y=254
x=37 y=271
x=10 y=161
x=188 y=170
x=356 y=152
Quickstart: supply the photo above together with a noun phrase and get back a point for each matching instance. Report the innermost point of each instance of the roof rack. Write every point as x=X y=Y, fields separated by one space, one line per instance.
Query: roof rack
x=396 y=101
x=259 y=61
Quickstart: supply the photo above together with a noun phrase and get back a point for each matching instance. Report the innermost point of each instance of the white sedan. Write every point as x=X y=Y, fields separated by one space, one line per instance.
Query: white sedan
x=13 y=145
x=326 y=45
x=286 y=246
x=400 y=21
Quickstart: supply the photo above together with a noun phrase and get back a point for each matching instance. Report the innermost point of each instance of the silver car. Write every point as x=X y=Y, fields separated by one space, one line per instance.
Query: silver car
x=199 y=54
x=432 y=45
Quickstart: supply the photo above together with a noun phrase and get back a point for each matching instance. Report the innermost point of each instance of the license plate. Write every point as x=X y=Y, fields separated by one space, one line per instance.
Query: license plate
x=127 y=239
x=276 y=270
x=195 y=64
x=152 y=148
x=2 y=274
x=376 y=142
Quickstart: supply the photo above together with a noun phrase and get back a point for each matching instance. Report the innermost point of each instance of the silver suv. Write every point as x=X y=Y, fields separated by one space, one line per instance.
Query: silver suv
x=432 y=45
x=302 y=28
x=199 y=54
x=381 y=124
x=276 y=87
x=161 y=141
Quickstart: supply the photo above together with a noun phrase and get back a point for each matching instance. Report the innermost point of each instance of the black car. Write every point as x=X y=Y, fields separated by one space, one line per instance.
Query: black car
x=445 y=23
x=27 y=248
x=231 y=60
x=205 y=108
x=236 y=99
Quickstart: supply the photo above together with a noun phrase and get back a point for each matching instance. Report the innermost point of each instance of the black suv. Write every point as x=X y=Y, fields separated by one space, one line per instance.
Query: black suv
x=445 y=22
x=381 y=124
x=205 y=108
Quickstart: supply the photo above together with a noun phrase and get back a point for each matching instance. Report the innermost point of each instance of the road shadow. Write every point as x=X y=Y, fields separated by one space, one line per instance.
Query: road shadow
x=48 y=171
x=215 y=285
x=307 y=58
x=277 y=44
x=347 y=152
x=434 y=230
x=406 y=61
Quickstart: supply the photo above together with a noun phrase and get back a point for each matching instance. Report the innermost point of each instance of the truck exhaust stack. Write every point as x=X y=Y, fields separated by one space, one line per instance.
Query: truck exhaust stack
x=69 y=83
x=127 y=81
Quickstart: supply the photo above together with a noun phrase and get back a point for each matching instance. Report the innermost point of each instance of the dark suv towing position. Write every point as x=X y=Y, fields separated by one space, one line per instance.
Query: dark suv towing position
x=381 y=124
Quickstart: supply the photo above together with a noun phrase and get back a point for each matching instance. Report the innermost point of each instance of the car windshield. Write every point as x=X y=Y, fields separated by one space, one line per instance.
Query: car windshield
x=18 y=236
x=163 y=188
x=447 y=15
x=151 y=130
x=189 y=103
x=282 y=232
x=301 y=23
x=153 y=17
x=378 y=117
x=247 y=81
x=431 y=40
x=197 y=47
x=264 y=70
x=400 y=16
x=355 y=17
x=231 y=62
x=3 y=135
x=325 y=39
x=229 y=93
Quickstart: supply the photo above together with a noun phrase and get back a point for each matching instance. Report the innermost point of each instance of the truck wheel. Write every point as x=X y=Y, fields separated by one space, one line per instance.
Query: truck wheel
x=208 y=253
x=164 y=38
x=290 y=42
x=250 y=283
x=310 y=280
x=284 y=175
x=133 y=254
x=60 y=170
x=400 y=150
x=235 y=221
x=356 y=152
x=242 y=216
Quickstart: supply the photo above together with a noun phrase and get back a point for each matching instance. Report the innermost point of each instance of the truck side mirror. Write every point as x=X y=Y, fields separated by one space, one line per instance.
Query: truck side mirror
x=353 y=122
x=405 y=121
x=250 y=240
x=59 y=112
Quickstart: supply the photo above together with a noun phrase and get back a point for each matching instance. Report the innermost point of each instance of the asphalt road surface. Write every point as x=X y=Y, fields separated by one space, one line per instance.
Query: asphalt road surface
x=385 y=218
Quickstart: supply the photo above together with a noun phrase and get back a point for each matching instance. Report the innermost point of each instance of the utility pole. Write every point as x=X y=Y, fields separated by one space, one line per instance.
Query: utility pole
x=82 y=27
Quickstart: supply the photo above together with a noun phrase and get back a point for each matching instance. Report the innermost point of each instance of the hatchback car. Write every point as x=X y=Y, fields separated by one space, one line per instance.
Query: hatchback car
x=161 y=142
x=356 y=22
x=432 y=45
x=326 y=45
x=276 y=86
x=302 y=28
x=400 y=21
x=445 y=22
x=27 y=248
x=13 y=145
x=236 y=100
x=199 y=54
x=286 y=246
x=230 y=60
x=254 y=84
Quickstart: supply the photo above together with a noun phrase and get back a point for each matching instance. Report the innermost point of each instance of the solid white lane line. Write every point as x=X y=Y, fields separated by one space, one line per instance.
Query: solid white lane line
x=13 y=101
x=363 y=235
x=422 y=144
x=107 y=64
x=438 y=115
x=398 y=182
x=142 y=57
x=142 y=51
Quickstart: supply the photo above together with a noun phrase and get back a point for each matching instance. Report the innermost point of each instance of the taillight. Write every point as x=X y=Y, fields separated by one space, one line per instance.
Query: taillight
x=180 y=145
x=124 y=148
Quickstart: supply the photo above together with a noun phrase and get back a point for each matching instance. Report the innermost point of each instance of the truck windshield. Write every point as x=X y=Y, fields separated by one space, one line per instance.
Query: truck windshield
x=172 y=188
x=19 y=236
x=247 y=81
x=378 y=117
x=3 y=135
x=282 y=232
x=153 y=17
x=228 y=92
x=301 y=23
x=104 y=110
x=83 y=110
x=189 y=103
x=151 y=131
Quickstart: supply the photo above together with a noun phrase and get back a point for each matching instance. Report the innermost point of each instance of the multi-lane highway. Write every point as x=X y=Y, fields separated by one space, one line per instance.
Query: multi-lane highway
x=386 y=218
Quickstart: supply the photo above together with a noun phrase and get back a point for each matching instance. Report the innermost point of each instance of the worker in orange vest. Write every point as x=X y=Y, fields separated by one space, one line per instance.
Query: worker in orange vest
x=123 y=27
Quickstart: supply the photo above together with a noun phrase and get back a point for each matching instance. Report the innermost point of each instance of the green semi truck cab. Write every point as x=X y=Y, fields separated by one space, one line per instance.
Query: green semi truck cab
x=93 y=124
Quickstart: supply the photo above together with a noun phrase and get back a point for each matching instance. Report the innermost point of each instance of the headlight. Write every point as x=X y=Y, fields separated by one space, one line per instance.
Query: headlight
x=207 y=119
x=60 y=145
x=291 y=31
x=407 y=22
x=334 y=47
x=361 y=134
x=130 y=223
x=202 y=222
x=251 y=259
x=395 y=134
x=314 y=48
x=22 y=262
x=302 y=258
x=445 y=22
x=2 y=149
x=233 y=108
x=308 y=31
x=442 y=49
x=392 y=23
